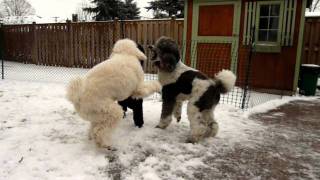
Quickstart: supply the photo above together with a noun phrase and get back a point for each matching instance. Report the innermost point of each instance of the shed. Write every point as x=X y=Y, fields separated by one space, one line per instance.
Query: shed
x=218 y=35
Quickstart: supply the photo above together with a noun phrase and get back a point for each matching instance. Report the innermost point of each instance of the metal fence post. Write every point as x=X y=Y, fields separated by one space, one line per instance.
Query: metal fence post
x=172 y=26
x=34 y=53
x=116 y=30
x=122 y=28
x=246 y=84
x=2 y=50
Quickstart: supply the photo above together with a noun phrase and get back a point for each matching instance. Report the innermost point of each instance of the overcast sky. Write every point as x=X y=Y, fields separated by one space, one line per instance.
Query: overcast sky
x=64 y=8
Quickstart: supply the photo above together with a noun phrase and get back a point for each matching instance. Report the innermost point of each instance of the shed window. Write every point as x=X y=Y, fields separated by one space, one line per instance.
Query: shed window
x=268 y=29
x=274 y=22
x=269 y=23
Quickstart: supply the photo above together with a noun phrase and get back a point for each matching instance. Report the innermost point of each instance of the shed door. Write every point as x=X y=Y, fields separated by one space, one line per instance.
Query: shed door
x=215 y=36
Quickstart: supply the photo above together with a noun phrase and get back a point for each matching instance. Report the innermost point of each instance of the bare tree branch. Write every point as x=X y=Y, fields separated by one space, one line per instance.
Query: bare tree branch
x=16 y=8
x=315 y=6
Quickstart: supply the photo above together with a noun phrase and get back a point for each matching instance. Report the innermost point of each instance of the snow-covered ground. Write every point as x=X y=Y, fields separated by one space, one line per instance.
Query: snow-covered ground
x=41 y=137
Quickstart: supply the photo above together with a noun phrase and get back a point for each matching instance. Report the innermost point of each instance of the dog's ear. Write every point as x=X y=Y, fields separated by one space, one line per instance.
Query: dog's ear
x=168 y=62
x=140 y=55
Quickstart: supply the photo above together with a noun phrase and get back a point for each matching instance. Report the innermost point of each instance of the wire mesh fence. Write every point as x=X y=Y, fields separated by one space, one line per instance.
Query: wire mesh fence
x=208 y=57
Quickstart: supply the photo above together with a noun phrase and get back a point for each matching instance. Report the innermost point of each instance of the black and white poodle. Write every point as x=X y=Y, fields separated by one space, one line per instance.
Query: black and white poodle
x=180 y=82
x=134 y=104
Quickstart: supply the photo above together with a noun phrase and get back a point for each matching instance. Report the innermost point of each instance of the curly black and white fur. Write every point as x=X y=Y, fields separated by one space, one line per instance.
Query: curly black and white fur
x=180 y=82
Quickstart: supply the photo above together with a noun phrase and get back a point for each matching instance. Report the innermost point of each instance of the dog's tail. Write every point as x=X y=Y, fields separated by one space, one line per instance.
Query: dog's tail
x=74 y=90
x=225 y=80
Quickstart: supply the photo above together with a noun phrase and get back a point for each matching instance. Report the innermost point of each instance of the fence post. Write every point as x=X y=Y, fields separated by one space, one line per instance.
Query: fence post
x=172 y=26
x=34 y=45
x=69 y=47
x=116 y=29
x=2 y=50
x=246 y=84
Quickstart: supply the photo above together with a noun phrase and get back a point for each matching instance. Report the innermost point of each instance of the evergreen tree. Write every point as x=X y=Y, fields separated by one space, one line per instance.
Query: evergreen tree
x=111 y=9
x=129 y=10
x=166 y=8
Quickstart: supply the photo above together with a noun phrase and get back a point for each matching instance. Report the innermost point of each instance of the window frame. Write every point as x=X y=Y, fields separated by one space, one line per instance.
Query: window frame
x=264 y=46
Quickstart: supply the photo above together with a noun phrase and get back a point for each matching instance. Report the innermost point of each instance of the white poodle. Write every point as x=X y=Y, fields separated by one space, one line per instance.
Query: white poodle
x=95 y=95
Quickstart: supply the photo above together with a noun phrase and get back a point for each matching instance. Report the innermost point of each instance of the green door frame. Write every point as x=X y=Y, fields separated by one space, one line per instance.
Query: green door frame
x=233 y=40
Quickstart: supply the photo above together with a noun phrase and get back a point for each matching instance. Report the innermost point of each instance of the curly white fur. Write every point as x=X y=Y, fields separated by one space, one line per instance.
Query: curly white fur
x=227 y=78
x=95 y=95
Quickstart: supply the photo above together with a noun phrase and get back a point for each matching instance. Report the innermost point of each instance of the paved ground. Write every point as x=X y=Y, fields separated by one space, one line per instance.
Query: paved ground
x=290 y=149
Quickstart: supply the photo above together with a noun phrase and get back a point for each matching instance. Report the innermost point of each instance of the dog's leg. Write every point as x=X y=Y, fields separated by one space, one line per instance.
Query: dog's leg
x=106 y=119
x=198 y=124
x=166 y=114
x=177 y=110
x=212 y=124
x=138 y=113
x=146 y=88
x=124 y=106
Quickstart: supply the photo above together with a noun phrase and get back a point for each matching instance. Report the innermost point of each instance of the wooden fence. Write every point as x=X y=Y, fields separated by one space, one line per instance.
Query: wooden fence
x=81 y=44
x=311 y=50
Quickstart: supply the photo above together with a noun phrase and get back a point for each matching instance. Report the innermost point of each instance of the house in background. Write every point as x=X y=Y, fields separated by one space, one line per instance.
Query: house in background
x=218 y=35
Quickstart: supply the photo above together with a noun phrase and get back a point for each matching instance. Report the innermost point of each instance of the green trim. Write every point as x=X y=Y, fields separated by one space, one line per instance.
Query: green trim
x=245 y=35
x=269 y=46
x=185 y=27
x=254 y=16
x=250 y=22
x=234 y=40
x=293 y=24
x=284 y=22
x=288 y=23
x=300 y=44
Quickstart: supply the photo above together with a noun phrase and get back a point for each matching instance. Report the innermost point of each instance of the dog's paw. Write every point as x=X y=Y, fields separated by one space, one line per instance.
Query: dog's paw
x=193 y=139
x=110 y=148
x=139 y=125
x=160 y=126
x=178 y=119
x=157 y=86
x=190 y=140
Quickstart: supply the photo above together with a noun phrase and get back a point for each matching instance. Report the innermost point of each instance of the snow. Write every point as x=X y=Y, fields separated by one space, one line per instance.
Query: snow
x=310 y=65
x=275 y=103
x=41 y=137
x=312 y=14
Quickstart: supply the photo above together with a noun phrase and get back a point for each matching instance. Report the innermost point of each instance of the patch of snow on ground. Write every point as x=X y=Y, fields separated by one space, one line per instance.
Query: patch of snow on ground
x=273 y=104
x=41 y=137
